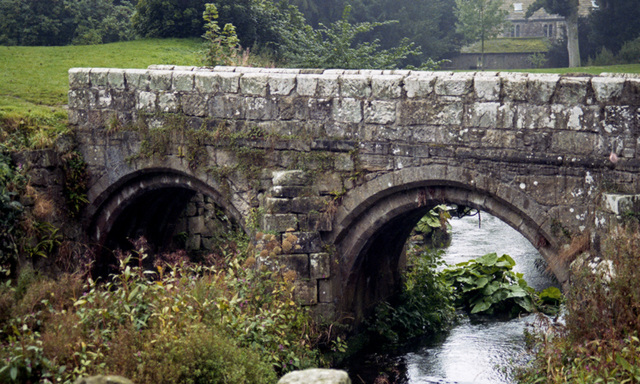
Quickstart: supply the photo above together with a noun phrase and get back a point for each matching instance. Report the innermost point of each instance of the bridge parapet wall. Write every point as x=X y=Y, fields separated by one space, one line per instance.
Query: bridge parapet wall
x=544 y=145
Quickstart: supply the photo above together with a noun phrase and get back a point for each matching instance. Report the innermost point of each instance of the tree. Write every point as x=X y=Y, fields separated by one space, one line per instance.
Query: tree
x=569 y=10
x=272 y=25
x=334 y=46
x=480 y=20
x=61 y=22
x=169 y=18
x=430 y=24
x=615 y=22
x=222 y=44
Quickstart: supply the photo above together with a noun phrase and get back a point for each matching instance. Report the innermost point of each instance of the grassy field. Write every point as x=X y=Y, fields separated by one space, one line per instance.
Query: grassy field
x=39 y=74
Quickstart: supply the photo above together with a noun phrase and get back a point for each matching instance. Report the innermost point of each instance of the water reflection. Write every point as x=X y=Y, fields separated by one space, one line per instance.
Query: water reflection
x=479 y=352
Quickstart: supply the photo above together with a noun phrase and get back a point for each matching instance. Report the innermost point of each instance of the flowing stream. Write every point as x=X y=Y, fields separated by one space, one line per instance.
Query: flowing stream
x=480 y=352
x=485 y=351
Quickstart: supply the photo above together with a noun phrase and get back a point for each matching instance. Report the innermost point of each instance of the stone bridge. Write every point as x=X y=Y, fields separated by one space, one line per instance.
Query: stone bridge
x=329 y=171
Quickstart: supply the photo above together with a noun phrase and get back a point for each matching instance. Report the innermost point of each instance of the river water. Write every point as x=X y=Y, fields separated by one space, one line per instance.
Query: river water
x=480 y=351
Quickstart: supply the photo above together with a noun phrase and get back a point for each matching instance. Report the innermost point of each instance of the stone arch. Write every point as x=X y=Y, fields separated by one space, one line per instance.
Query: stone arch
x=374 y=220
x=159 y=191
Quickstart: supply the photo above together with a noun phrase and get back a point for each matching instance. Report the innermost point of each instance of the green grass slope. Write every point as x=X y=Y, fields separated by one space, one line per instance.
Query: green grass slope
x=39 y=74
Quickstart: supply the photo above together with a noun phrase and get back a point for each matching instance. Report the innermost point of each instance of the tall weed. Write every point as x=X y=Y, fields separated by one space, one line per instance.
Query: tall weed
x=599 y=341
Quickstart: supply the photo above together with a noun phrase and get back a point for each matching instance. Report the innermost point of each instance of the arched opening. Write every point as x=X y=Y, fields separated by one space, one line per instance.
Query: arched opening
x=170 y=210
x=370 y=239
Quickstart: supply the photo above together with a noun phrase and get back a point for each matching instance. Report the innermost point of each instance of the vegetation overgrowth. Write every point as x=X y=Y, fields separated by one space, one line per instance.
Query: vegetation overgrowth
x=228 y=322
x=598 y=342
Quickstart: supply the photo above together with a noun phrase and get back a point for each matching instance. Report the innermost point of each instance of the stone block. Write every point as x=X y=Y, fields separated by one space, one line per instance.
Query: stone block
x=298 y=263
x=344 y=162
x=618 y=119
x=307 y=84
x=295 y=205
x=483 y=115
x=315 y=221
x=207 y=82
x=320 y=265
x=607 y=89
x=387 y=86
x=376 y=162
x=196 y=224
x=355 y=86
x=571 y=90
x=458 y=84
x=307 y=242
x=104 y=99
x=290 y=178
x=160 y=80
x=540 y=87
x=328 y=86
x=194 y=104
x=79 y=78
x=259 y=108
x=314 y=375
x=229 y=82
x=347 y=110
x=325 y=291
x=328 y=182
x=279 y=222
x=619 y=204
x=100 y=379
x=289 y=192
x=418 y=86
x=535 y=117
x=137 y=79
x=168 y=102
x=194 y=242
x=183 y=81
x=423 y=112
x=281 y=84
x=98 y=77
x=514 y=87
x=292 y=108
x=320 y=109
x=574 y=143
x=115 y=78
x=380 y=112
x=146 y=101
x=305 y=292
x=254 y=84
x=487 y=88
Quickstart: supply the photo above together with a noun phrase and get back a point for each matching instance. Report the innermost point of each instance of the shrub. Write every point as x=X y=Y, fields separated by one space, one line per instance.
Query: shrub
x=630 y=52
x=604 y=57
x=12 y=182
x=424 y=306
x=599 y=342
x=180 y=323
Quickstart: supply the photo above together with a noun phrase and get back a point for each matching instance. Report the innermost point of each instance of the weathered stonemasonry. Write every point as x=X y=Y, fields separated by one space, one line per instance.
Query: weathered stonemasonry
x=330 y=170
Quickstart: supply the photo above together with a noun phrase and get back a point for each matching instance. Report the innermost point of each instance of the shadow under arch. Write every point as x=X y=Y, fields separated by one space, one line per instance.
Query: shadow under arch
x=147 y=203
x=375 y=219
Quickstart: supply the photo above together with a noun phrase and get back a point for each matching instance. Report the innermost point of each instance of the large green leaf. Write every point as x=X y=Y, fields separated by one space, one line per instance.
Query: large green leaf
x=505 y=261
x=481 y=306
x=488 y=260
